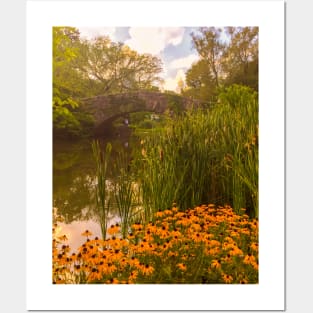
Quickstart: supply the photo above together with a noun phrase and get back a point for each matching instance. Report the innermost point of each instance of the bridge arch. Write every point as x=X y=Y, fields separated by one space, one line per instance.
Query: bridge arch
x=104 y=109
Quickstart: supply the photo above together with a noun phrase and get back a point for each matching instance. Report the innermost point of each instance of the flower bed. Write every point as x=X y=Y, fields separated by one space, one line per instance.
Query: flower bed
x=206 y=244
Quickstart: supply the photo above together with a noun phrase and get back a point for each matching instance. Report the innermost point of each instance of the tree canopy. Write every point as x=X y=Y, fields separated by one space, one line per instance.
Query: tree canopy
x=226 y=57
x=86 y=68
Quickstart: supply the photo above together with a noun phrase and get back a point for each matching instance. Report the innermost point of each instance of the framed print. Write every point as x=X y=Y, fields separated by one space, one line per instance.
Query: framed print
x=155 y=180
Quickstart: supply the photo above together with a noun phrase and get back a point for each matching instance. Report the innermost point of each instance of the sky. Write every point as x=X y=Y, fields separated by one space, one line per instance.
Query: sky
x=172 y=45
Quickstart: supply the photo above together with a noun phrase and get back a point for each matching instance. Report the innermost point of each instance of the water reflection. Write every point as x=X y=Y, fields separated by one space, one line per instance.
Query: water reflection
x=74 y=185
x=74 y=230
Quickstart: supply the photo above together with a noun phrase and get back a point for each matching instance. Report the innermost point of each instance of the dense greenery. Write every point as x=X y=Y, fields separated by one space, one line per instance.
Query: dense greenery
x=204 y=156
x=84 y=68
x=223 y=61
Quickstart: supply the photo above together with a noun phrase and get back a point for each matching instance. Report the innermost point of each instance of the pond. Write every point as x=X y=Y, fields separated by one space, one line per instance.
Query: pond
x=74 y=184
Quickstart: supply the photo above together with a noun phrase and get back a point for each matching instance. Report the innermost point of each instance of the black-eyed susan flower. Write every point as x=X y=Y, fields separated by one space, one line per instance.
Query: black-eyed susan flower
x=249 y=259
x=254 y=246
x=255 y=265
x=86 y=233
x=159 y=214
x=236 y=251
x=182 y=266
x=227 y=278
x=63 y=238
x=133 y=276
x=146 y=269
x=94 y=275
x=114 y=229
x=216 y=264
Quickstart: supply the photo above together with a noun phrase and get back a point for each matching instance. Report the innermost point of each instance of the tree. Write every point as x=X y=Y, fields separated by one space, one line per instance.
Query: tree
x=200 y=82
x=226 y=57
x=211 y=49
x=241 y=56
x=65 y=49
x=110 y=67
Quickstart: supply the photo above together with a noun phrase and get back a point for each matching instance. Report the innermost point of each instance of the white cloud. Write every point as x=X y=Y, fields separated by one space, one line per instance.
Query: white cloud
x=185 y=62
x=92 y=32
x=171 y=83
x=154 y=40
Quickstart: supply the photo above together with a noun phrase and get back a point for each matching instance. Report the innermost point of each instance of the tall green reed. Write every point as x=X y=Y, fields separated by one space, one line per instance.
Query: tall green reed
x=102 y=193
x=237 y=122
x=124 y=191
x=205 y=156
x=173 y=165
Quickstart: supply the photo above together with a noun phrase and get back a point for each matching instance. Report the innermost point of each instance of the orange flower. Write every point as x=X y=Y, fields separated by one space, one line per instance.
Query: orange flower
x=174 y=209
x=254 y=246
x=137 y=227
x=227 y=278
x=168 y=212
x=245 y=231
x=94 y=274
x=133 y=275
x=216 y=264
x=112 y=281
x=182 y=266
x=63 y=238
x=236 y=251
x=114 y=229
x=86 y=233
x=134 y=262
x=146 y=269
x=249 y=259
x=173 y=254
x=159 y=214
x=255 y=265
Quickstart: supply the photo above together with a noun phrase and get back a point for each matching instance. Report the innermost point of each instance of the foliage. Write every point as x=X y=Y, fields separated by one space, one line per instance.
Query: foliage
x=147 y=124
x=204 y=156
x=241 y=57
x=206 y=244
x=200 y=83
x=66 y=82
x=223 y=62
x=111 y=67
x=211 y=49
x=236 y=121
x=175 y=104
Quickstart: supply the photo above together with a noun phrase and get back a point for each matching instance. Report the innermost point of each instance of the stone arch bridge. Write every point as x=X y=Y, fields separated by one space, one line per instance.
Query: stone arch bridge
x=105 y=109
